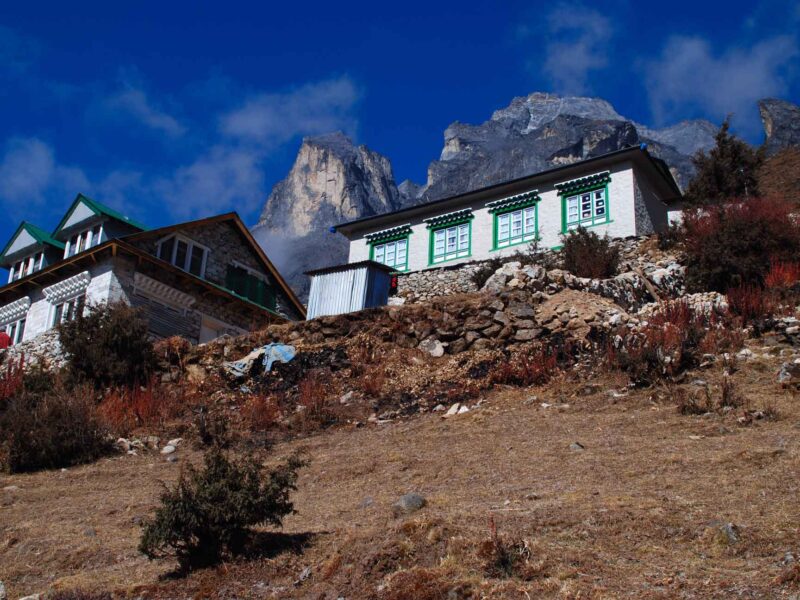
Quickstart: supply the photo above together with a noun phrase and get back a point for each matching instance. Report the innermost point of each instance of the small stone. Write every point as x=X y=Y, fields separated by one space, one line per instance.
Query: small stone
x=433 y=347
x=304 y=574
x=463 y=409
x=345 y=399
x=367 y=502
x=577 y=447
x=172 y=458
x=408 y=503
x=11 y=488
x=453 y=410
x=175 y=442
x=168 y=449
x=3 y=595
x=89 y=532
x=438 y=408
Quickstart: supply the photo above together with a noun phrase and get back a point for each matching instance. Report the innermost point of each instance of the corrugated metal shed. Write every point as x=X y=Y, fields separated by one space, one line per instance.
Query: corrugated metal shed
x=348 y=288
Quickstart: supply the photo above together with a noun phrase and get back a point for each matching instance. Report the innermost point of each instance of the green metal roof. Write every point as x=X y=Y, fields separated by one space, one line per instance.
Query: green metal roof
x=39 y=234
x=98 y=209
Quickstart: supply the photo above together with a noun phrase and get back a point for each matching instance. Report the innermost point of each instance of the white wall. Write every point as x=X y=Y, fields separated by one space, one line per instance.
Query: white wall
x=622 y=223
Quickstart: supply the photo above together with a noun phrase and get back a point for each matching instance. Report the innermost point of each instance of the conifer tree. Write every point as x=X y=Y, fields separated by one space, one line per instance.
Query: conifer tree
x=728 y=171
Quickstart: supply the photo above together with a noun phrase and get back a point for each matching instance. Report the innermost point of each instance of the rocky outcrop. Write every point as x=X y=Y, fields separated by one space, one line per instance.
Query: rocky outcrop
x=781 y=124
x=332 y=181
x=541 y=131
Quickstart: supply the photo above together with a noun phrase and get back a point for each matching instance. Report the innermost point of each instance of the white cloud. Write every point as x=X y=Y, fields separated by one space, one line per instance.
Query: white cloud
x=223 y=179
x=314 y=108
x=30 y=177
x=133 y=101
x=576 y=44
x=690 y=76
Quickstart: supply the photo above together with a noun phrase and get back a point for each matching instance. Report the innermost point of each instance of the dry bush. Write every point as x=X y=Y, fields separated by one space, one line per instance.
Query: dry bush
x=312 y=398
x=701 y=401
x=673 y=341
x=173 y=350
x=732 y=244
x=782 y=275
x=57 y=429
x=262 y=413
x=503 y=558
x=534 y=365
x=126 y=409
x=372 y=382
x=750 y=302
x=212 y=430
x=586 y=254
x=11 y=379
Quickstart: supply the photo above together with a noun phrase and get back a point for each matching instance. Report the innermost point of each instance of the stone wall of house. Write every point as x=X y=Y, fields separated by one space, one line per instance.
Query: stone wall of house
x=226 y=246
x=629 y=289
x=421 y=286
x=44 y=349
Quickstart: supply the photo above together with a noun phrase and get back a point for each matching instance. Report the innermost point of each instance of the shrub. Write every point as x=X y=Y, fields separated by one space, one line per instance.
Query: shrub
x=212 y=429
x=532 y=366
x=734 y=244
x=57 y=429
x=670 y=236
x=11 y=379
x=312 y=398
x=79 y=595
x=108 y=346
x=586 y=254
x=729 y=170
x=782 y=275
x=508 y=558
x=749 y=302
x=671 y=343
x=209 y=513
x=124 y=410
x=262 y=413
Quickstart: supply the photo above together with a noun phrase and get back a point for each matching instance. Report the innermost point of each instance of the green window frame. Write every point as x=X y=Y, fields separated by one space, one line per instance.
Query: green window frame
x=451 y=241
x=244 y=283
x=514 y=226
x=392 y=252
x=585 y=202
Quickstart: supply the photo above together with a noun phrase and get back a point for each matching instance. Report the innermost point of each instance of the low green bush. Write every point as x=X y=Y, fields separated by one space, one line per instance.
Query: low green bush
x=207 y=515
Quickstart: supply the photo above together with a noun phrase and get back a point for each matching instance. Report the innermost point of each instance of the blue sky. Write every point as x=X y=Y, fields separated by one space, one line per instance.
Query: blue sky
x=173 y=111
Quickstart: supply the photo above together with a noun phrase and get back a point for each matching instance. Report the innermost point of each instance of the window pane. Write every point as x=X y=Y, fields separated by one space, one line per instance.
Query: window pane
x=390 y=251
x=503 y=229
x=180 y=255
x=516 y=223
x=438 y=242
x=530 y=220
x=59 y=313
x=401 y=253
x=20 y=331
x=463 y=236
x=379 y=250
x=196 y=261
x=165 y=252
x=451 y=239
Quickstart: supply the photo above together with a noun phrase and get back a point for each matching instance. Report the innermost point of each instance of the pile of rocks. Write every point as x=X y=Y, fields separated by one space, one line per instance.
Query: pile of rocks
x=702 y=302
x=421 y=286
x=789 y=330
x=44 y=349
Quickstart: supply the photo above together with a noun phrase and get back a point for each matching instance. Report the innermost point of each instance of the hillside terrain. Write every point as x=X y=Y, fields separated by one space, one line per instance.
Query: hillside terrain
x=549 y=456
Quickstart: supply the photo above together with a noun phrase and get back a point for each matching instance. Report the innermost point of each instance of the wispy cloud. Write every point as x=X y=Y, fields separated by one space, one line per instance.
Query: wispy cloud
x=576 y=44
x=132 y=101
x=17 y=52
x=690 y=75
x=30 y=176
x=313 y=108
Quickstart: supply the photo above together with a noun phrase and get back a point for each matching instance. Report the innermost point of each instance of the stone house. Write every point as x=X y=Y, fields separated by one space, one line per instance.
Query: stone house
x=623 y=193
x=199 y=279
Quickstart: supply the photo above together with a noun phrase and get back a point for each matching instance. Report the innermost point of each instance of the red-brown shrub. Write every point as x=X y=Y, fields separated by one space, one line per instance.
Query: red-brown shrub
x=532 y=366
x=124 y=410
x=750 y=302
x=782 y=275
x=262 y=412
x=11 y=379
x=733 y=244
x=312 y=397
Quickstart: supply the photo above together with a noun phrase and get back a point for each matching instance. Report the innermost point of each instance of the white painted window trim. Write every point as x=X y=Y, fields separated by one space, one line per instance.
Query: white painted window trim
x=190 y=244
x=90 y=241
x=19 y=333
x=161 y=293
x=51 y=317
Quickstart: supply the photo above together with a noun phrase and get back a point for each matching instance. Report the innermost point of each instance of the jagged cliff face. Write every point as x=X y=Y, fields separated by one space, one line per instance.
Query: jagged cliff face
x=542 y=131
x=331 y=181
x=781 y=124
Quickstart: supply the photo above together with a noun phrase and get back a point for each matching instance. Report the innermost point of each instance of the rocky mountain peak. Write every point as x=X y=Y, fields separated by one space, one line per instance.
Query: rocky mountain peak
x=526 y=113
x=781 y=124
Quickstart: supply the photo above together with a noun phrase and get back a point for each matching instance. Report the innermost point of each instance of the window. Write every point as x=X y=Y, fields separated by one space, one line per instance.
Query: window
x=392 y=254
x=83 y=241
x=451 y=242
x=68 y=310
x=515 y=227
x=251 y=285
x=587 y=208
x=184 y=254
x=16 y=330
x=26 y=266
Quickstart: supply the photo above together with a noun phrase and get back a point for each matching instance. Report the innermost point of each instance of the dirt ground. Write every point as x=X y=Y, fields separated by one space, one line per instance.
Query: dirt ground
x=641 y=512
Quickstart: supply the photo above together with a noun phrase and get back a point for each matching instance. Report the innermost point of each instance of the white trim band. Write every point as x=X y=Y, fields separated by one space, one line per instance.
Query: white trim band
x=68 y=288
x=14 y=311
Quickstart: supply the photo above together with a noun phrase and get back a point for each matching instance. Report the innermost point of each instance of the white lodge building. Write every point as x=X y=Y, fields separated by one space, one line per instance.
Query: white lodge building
x=200 y=279
x=623 y=193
